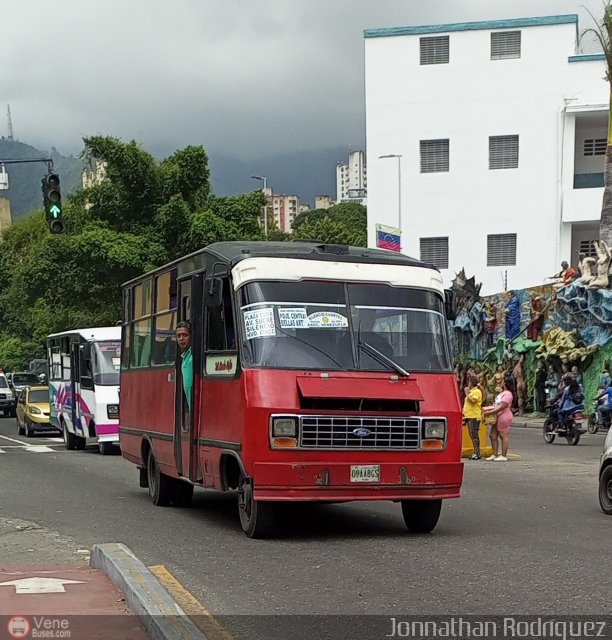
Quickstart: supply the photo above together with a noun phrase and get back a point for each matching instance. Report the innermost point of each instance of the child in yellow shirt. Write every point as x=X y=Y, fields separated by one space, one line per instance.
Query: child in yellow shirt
x=472 y=413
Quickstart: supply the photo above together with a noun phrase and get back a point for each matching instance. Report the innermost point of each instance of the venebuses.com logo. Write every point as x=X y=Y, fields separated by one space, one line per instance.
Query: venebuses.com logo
x=18 y=627
x=38 y=627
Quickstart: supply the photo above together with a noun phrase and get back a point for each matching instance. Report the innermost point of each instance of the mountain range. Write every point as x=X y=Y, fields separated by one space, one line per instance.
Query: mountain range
x=305 y=174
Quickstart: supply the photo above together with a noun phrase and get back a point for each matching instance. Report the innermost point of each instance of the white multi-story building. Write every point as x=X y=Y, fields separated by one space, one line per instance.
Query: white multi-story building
x=284 y=208
x=351 y=178
x=94 y=175
x=494 y=135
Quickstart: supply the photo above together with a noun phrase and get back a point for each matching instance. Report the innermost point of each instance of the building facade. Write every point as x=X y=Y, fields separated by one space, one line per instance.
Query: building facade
x=499 y=130
x=324 y=202
x=351 y=178
x=5 y=213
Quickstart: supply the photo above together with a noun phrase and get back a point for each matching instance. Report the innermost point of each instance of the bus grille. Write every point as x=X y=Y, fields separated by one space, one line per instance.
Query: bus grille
x=338 y=432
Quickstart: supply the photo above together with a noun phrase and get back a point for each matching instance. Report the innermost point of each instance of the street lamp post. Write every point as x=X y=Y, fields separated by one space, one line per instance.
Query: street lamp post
x=399 y=189
x=264 y=180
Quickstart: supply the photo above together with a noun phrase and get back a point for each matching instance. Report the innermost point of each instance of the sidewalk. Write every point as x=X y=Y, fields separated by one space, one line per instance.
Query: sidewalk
x=51 y=588
x=529 y=420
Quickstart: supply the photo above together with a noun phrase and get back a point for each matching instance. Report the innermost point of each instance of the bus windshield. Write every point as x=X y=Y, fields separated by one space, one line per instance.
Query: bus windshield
x=343 y=326
x=107 y=362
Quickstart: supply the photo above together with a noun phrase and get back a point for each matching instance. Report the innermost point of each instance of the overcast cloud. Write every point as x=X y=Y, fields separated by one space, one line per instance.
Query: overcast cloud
x=245 y=78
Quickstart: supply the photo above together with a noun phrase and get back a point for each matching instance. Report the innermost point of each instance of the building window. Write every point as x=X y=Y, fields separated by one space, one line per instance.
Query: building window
x=595 y=147
x=435 y=251
x=588 y=248
x=434 y=50
x=434 y=156
x=501 y=250
x=505 y=45
x=503 y=152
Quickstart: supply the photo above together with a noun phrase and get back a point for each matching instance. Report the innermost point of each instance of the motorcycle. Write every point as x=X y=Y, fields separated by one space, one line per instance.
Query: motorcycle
x=593 y=426
x=574 y=426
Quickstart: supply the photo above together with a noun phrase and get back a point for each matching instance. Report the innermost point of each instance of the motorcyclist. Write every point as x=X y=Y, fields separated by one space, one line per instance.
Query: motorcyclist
x=571 y=401
x=604 y=408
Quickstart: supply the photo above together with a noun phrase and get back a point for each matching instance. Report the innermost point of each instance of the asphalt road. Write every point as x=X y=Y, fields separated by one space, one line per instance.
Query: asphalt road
x=527 y=537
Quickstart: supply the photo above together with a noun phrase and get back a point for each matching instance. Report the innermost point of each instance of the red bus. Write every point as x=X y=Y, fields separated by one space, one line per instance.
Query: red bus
x=320 y=373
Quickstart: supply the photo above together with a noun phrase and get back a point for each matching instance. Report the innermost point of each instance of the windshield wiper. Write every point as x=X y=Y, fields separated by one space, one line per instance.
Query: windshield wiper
x=381 y=357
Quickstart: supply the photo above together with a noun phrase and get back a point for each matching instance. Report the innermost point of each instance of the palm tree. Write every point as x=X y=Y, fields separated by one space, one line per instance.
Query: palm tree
x=603 y=33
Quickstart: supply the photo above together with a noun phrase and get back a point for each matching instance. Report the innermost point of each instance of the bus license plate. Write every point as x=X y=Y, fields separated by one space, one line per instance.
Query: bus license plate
x=365 y=473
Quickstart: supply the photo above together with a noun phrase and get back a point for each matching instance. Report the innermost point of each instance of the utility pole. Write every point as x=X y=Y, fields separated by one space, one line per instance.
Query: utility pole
x=264 y=180
x=9 y=121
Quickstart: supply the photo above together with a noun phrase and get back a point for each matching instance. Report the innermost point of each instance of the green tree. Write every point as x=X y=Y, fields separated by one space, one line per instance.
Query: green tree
x=344 y=223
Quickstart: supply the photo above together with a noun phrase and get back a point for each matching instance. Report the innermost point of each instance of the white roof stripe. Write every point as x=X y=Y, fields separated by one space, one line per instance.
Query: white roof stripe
x=295 y=269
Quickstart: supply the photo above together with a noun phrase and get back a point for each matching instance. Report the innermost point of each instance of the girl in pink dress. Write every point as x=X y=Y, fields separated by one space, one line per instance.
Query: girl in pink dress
x=502 y=409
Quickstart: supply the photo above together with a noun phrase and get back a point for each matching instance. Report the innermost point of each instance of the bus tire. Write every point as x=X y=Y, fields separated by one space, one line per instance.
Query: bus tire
x=256 y=517
x=160 y=485
x=80 y=443
x=182 y=493
x=69 y=438
x=106 y=448
x=421 y=516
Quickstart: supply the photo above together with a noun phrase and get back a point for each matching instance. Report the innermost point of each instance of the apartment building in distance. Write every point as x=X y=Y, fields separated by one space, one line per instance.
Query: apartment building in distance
x=352 y=179
x=500 y=128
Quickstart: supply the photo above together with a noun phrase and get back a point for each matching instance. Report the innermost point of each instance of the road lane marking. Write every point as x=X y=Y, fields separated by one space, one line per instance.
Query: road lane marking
x=37 y=448
x=39 y=585
x=2 y=451
x=193 y=608
x=21 y=442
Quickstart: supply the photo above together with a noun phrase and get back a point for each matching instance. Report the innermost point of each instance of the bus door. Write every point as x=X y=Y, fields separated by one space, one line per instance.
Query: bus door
x=75 y=384
x=187 y=412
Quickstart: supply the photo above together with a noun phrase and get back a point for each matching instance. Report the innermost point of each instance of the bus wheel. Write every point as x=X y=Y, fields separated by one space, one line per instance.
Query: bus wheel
x=106 y=448
x=69 y=438
x=421 y=516
x=79 y=443
x=160 y=485
x=182 y=493
x=256 y=517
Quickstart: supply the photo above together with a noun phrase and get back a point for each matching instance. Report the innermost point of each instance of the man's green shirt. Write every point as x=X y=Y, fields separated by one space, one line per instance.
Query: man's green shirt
x=187 y=375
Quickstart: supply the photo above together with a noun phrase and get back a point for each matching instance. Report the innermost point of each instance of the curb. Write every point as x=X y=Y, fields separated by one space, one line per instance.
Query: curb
x=527 y=425
x=158 y=612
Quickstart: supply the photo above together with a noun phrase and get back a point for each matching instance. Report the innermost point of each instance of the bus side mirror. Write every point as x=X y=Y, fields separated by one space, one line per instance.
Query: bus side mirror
x=448 y=305
x=213 y=290
x=86 y=352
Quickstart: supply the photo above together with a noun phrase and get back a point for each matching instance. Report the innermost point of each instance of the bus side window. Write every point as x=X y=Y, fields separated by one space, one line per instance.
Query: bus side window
x=65 y=350
x=86 y=370
x=220 y=325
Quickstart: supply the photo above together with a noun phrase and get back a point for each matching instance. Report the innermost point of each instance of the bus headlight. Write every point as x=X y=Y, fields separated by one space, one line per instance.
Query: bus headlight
x=434 y=429
x=284 y=427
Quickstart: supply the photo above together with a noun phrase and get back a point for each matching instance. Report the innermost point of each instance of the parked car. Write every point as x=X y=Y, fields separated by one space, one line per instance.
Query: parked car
x=605 y=476
x=33 y=411
x=22 y=379
x=7 y=397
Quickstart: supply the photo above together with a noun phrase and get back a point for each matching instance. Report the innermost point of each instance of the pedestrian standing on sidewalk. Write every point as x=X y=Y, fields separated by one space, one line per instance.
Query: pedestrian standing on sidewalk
x=472 y=413
x=502 y=410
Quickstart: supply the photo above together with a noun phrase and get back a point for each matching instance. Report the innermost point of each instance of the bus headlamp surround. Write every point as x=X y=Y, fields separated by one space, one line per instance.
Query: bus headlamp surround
x=284 y=427
x=434 y=429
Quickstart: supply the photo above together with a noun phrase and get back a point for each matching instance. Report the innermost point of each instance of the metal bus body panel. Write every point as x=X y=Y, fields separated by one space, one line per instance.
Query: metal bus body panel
x=147 y=410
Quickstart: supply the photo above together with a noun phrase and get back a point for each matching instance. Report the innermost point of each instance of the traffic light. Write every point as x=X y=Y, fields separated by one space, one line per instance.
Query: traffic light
x=52 y=199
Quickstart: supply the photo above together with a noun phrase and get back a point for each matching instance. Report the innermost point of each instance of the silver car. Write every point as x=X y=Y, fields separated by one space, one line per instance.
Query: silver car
x=605 y=476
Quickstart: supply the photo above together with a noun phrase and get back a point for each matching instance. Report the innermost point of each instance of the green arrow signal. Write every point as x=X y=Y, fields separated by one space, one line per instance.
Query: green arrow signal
x=55 y=210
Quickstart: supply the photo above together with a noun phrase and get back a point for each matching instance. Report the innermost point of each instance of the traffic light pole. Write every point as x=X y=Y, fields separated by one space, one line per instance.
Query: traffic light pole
x=52 y=198
x=47 y=161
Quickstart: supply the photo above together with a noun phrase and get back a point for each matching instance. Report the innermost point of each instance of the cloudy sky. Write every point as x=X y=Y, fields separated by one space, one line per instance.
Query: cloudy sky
x=251 y=80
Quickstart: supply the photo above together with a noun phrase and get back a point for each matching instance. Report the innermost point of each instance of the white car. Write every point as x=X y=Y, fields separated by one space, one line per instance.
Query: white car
x=605 y=476
x=7 y=397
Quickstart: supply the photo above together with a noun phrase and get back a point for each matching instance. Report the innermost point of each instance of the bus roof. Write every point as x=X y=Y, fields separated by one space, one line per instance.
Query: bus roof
x=96 y=333
x=233 y=252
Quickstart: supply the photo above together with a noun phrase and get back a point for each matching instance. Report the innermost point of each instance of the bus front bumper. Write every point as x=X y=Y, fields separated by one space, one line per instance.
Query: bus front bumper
x=332 y=481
